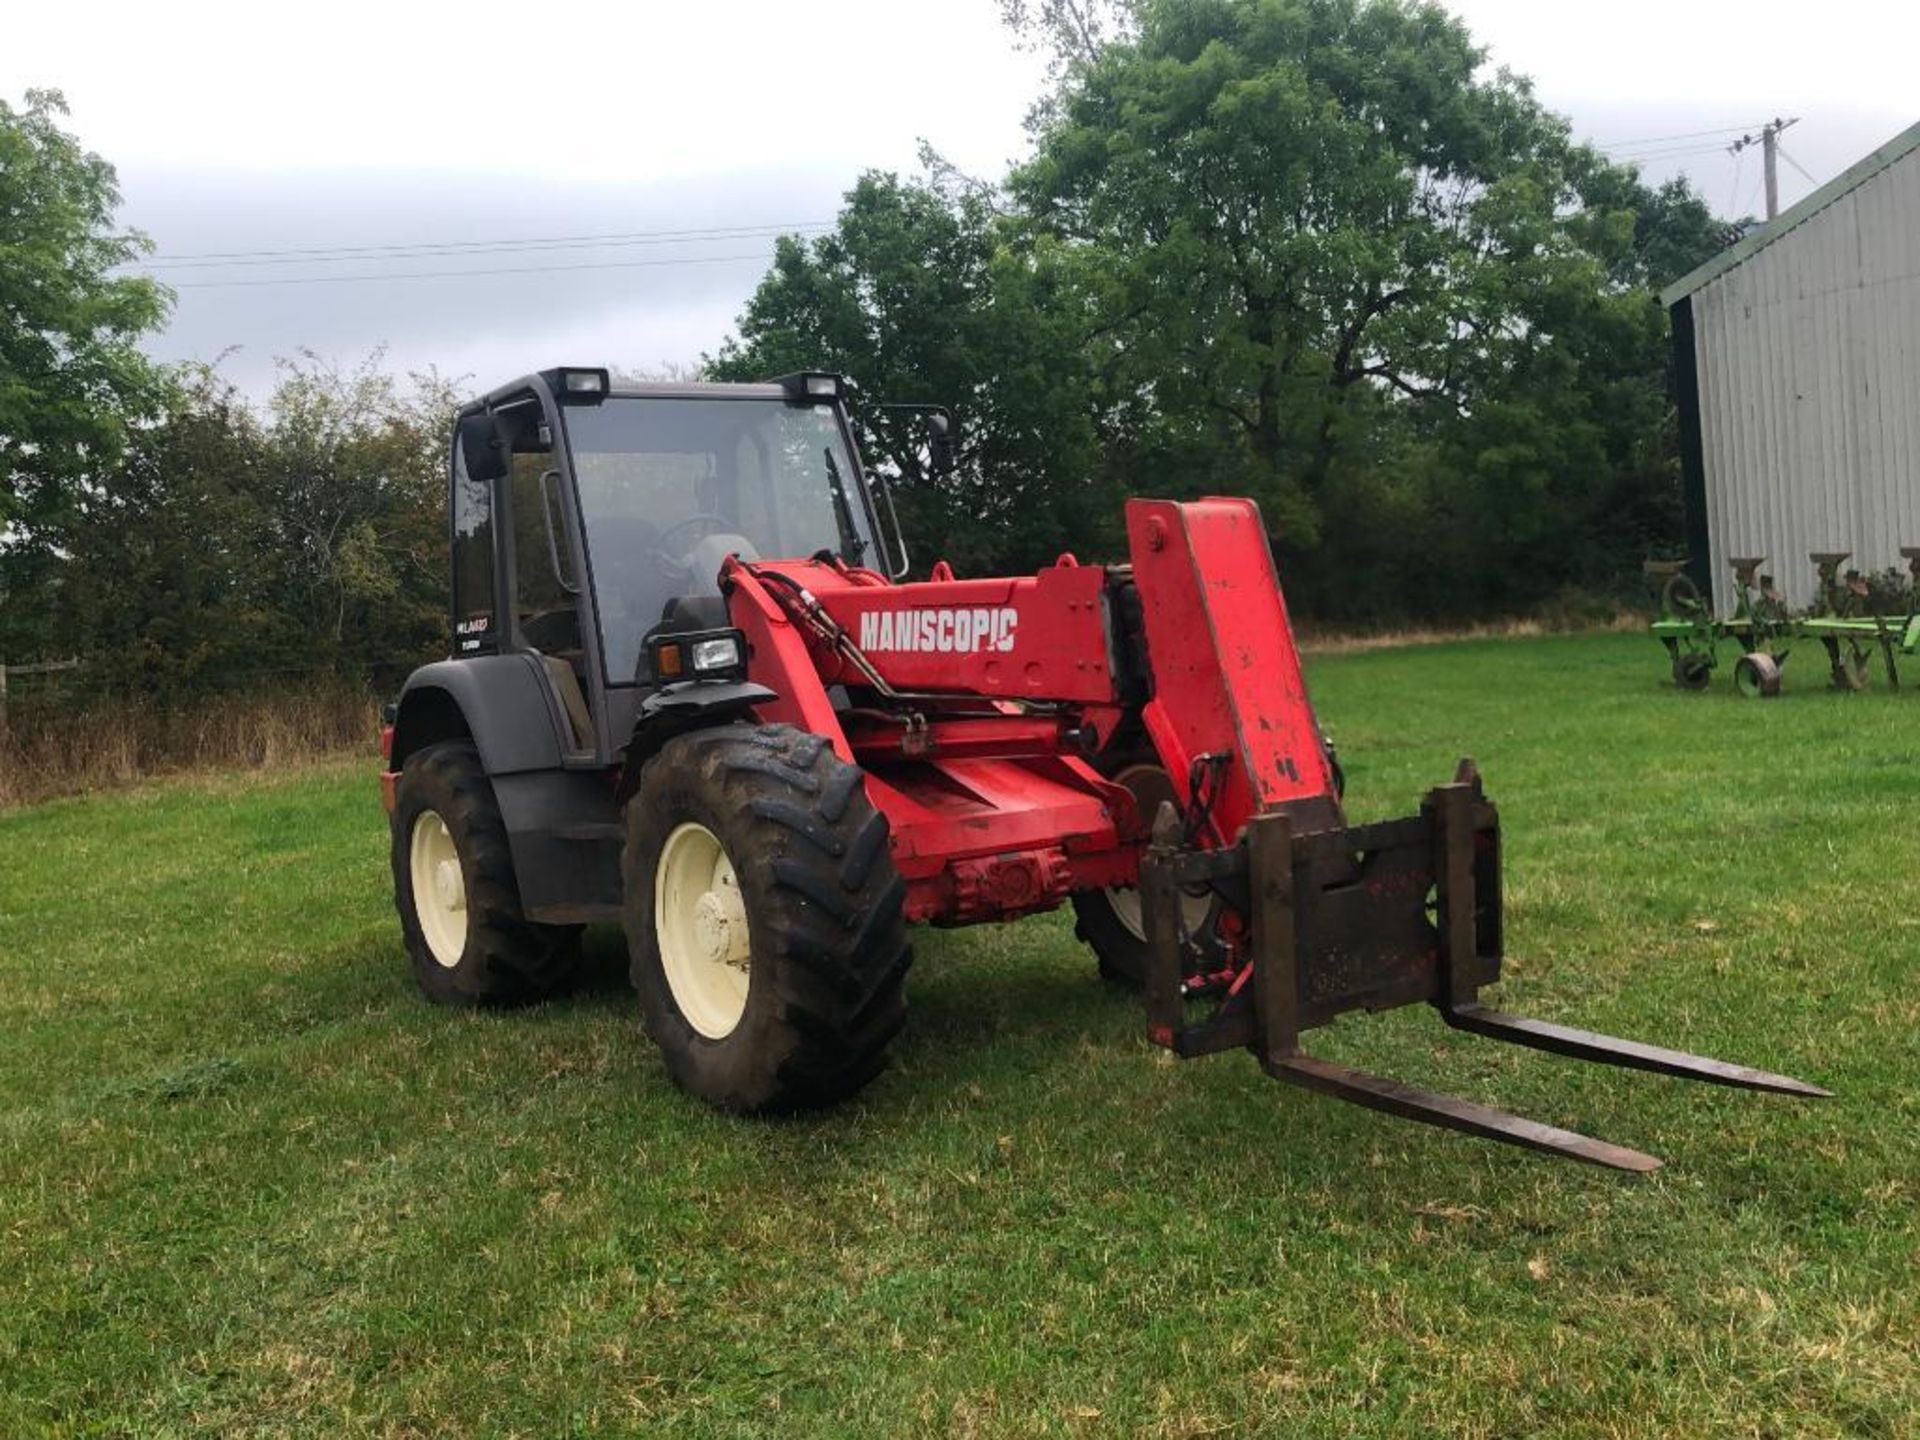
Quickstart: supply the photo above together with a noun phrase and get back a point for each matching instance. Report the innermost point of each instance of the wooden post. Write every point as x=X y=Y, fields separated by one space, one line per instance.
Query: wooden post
x=3 y=700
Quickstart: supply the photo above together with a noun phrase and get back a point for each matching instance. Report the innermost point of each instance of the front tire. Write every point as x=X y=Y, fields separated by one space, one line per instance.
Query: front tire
x=1110 y=920
x=454 y=886
x=764 y=918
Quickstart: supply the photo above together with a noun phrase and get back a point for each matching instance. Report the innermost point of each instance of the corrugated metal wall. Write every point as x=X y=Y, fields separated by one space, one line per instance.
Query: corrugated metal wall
x=1809 y=364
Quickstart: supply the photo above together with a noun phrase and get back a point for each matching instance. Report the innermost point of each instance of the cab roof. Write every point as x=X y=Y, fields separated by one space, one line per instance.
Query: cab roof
x=633 y=389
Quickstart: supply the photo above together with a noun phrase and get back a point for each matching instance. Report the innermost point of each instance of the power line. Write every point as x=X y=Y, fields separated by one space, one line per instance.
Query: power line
x=1675 y=145
x=435 y=247
x=455 y=274
x=505 y=248
x=1663 y=139
x=1684 y=152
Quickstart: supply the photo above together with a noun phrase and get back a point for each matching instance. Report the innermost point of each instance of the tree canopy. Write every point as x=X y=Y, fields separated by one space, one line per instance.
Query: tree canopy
x=917 y=296
x=236 y=547
x=1306 y=250
x=72 y=377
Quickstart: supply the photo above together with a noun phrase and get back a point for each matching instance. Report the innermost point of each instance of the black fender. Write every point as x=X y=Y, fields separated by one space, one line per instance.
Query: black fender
x=500 y=701
x=563 y=828
x=676 y=709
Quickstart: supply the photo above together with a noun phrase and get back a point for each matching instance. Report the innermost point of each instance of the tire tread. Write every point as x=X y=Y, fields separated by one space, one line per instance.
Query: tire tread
x=831 y=941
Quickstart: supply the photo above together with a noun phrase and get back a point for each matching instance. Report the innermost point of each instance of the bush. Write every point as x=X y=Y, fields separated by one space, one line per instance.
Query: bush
x=48 y=748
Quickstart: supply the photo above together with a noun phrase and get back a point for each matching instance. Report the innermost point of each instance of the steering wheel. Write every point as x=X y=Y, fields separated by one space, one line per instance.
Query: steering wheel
x=677 y=562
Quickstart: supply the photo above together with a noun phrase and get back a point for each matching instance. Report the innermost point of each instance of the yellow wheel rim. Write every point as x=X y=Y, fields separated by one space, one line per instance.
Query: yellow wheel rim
x=439 y=888
x=700 y=924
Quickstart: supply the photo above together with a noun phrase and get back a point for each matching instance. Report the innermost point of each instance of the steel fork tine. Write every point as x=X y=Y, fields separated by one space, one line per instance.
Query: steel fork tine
x=1452 y=1113
x=1609 y=1050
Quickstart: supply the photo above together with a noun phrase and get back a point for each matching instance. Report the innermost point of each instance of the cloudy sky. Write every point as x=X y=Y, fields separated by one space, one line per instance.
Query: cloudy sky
x=497 y=188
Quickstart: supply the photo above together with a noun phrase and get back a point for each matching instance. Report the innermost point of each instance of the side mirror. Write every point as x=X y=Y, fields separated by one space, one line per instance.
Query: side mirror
x=484 y=448
x=942 y=442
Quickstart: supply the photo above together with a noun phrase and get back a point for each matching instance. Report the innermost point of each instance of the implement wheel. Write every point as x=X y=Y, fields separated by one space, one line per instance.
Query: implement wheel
x=1757 y=676
x=764 y=919
x=1693 y=670
x=1681 y=597
x=1110 y=920
x=454 y=886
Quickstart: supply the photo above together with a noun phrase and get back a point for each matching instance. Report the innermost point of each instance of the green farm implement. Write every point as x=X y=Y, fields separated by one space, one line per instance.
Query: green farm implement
x=1762 y=629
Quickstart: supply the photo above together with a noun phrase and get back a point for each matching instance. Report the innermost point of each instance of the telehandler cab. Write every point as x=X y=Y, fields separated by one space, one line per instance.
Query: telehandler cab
x=690 y=692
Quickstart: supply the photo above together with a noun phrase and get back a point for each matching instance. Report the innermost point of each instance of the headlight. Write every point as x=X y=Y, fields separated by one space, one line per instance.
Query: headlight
x=700 y=655
x=719 y=654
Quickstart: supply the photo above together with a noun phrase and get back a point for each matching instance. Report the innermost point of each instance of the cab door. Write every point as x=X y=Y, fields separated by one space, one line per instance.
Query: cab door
x=545 y=597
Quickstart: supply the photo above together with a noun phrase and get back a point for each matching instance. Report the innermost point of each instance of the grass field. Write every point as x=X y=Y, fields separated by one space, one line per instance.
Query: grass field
x=251 y=1184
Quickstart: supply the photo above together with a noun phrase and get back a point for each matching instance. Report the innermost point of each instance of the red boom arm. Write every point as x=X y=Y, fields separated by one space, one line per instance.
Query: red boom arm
x=972 y=704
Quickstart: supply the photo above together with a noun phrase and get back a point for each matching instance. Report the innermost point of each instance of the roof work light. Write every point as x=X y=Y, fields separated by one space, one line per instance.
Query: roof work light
x=573 y=386
x=813 y=385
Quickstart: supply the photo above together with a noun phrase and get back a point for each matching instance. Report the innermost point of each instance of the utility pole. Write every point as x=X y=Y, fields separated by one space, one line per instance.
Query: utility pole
x=1769 y=142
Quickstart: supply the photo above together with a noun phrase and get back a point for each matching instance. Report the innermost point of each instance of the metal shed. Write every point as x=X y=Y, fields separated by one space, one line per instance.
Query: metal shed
x=1797 y=360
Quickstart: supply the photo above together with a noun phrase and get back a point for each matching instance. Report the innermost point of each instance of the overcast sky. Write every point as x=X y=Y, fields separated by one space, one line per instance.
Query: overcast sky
x=256 y=127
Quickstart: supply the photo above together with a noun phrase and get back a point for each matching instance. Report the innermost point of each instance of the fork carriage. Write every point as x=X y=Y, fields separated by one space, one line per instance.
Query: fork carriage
x=1371 y=917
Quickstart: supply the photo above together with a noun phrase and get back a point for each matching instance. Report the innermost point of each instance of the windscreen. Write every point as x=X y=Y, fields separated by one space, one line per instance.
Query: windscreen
x=658 y=476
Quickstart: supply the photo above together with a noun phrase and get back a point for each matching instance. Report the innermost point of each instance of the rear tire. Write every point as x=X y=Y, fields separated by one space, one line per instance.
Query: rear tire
x=763 y=827
x=454 y=886
x=1110 y=922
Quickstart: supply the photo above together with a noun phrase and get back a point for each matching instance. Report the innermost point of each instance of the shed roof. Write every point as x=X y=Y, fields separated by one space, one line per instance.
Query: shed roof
x=1793 y=216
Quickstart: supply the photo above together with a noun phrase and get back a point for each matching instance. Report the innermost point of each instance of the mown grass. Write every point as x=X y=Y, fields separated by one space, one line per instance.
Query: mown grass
x=251 y=1184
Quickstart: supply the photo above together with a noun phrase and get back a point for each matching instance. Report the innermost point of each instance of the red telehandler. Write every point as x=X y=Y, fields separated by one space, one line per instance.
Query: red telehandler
x=690 y=693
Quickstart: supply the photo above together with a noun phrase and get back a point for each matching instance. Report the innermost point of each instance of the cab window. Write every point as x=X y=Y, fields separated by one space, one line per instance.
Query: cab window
x=669 y=486
x=476 y=628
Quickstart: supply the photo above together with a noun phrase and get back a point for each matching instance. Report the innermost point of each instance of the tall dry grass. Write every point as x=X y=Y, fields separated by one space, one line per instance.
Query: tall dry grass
x=1333 y=641
x=49 y=749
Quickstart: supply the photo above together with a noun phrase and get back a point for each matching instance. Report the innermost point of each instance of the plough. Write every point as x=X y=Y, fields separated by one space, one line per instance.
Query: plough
x=1764 y=628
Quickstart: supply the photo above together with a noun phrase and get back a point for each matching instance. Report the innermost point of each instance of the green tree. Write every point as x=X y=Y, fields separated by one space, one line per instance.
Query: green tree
x=919 y=295
x=1364 y=281
x=167 y=579
x=355 y=479
x=236 y=547
x=72 y=377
